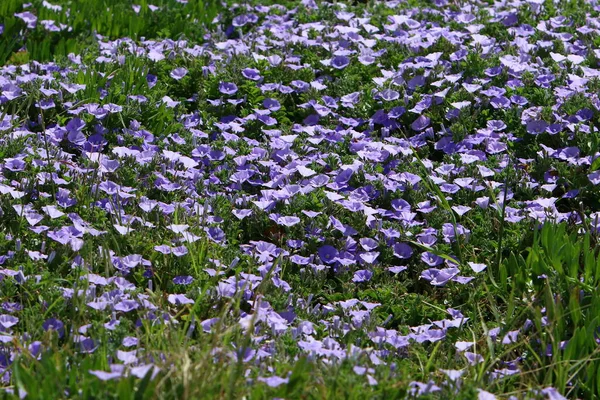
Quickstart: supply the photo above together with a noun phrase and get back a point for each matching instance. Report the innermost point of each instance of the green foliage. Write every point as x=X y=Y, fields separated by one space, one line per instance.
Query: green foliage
x=84 y=19
x=552 y=287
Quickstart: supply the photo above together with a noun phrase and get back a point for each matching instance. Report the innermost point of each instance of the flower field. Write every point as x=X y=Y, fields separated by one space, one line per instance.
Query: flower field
x=300 y=199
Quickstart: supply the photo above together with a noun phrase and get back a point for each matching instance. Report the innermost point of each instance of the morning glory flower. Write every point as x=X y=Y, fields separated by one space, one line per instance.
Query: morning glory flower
x=477 y=267
x=117 y=371
x=179 y=251
x=340 y=62
x=594 y=177
x=54 y=325
x=183 y=280
x=28 y=18
x=536 y=127
x=271 y=104
x=8 y=321
x=420 y=123
x=251 y=73
x=389 y=95
x=178 y=73
x=273 y=381
x=439 y=277
x=14 y=164
x=362 y=275
x=328 y=254
x=368 y=244
x=228 y=88
x=402 y=250
x=179 y=299
x=396 y=269
x=431 y=259
x=288 y=221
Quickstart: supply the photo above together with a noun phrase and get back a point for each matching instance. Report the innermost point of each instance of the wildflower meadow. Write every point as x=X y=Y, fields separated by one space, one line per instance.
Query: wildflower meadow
x=299 y=199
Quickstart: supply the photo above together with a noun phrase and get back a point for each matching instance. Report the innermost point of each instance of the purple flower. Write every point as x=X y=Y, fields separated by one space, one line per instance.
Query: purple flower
x=240 y=20
x=28 y=18
x=473 y=358
x=75 y=134
x=251 y=73
x=461 y=210
x=420 y=123
x=86 y=345
x=431 y=259
x=500 y=102
x=117 y=371
x=368 y=244
x=179 y=251
x=273 y=381
x=389 y=95
x=439 y=277
x=418 y=389
x=350 y=100
x=369 y=257
x=241 y=213
x=288 y=221
x=183 y=280
x=130 y=341
x=477 y=267
x=127 y=357
x=535 y=127
x=52 y=211
x=328 y=254
x=179 y=73
x=179 y=299
x=483 y=395
x=340 y=62
x=594 y=177
x=553 y=394
x=11 y=308
x=362 y=275
x=208 y=323
x=511 y=337
x=215 y=234
x=141 y=371
x=126 y=306
x=228 y=88
x=271 y=104
x=519 y=100
x=344 y=177
x=14 y=164
x=163 y=248
x=54 y=324
x=397 y=269
x=402 y=250
x=8 y=321
x=72 y=88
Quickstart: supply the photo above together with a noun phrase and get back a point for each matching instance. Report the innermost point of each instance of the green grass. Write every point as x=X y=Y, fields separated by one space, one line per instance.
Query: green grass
x=85 y=19
x=561 y=307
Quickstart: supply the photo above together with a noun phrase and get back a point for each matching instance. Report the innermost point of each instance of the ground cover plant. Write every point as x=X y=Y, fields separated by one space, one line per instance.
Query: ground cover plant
x=305 y=199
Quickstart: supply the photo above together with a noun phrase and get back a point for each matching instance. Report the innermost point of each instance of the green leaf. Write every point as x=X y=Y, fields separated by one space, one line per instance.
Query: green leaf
x=595 y=164
x=300 y=373
x=143 y=386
